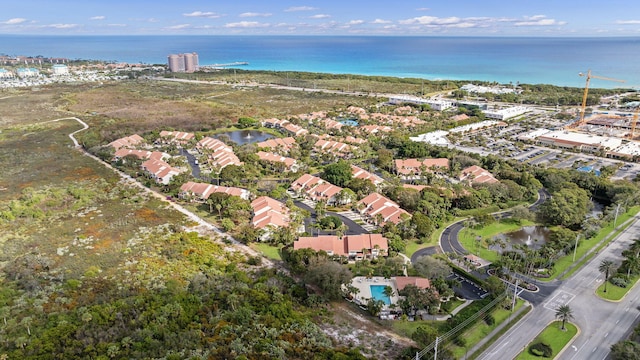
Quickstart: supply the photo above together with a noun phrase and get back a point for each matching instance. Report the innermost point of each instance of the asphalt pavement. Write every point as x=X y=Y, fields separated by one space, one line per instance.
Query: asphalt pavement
x=602 y=323
x=352 y=227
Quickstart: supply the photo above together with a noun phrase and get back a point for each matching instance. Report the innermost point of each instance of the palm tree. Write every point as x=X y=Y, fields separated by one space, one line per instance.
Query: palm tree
x=564 y=313
x=605 y=267
x=633 y=264
x=388 y=291
x=635 y=247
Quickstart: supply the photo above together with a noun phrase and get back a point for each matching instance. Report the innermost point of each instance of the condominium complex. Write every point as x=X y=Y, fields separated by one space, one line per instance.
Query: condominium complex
x=183 y=62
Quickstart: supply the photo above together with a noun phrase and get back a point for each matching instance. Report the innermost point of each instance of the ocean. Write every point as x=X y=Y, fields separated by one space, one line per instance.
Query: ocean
x=504 y=60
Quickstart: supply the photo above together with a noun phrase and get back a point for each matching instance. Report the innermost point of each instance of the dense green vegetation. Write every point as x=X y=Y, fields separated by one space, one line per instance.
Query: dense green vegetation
x=627 y=349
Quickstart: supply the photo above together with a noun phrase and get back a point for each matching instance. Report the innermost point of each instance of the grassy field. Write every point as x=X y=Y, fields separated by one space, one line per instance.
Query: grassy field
x=616 y=293
x=267 y=250
x=117 y=109
x=366 y=84
x=555 y=337
x=467 y=237
x=478 y=332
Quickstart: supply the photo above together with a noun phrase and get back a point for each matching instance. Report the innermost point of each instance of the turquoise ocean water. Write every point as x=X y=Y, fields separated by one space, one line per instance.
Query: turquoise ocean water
x=505 y=60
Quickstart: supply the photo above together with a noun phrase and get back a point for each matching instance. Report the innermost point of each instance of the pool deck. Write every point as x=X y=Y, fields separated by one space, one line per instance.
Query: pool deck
x=364 y=285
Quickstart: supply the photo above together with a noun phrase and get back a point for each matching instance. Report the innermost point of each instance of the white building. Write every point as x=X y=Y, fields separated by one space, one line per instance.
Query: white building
x=59 y=69
x=5 y=74
x=506 y=113
x=27 y=72
x=438 y=105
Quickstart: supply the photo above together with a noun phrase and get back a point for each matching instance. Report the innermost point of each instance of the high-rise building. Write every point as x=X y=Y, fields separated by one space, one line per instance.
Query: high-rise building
x=183 y=62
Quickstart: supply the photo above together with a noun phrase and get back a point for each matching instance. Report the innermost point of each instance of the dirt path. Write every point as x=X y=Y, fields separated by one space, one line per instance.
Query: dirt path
x=351 y=328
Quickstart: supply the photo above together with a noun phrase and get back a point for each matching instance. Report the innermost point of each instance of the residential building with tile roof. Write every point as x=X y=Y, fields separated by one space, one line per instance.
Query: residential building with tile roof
x=202 y=191
x=140 y=154
x=278 y=144
x=359 y=173
x=332 y=147
x=355 y=247
x=477 y=175
x=160 y=171
x=268 y=215
x=219 y=153
x=412 y=167
x=176 y=136
x=316 y=189
x=289 y=163
x=379 y=210
x=127 y=141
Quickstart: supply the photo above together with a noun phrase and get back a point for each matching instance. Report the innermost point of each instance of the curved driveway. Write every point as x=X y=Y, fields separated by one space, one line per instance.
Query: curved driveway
x=449 y=238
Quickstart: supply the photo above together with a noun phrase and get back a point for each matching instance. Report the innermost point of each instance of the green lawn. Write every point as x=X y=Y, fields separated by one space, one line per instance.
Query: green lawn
x=554 y=337
x=480 y=330
x=616 y=293
x=467 y=237
x=413 y=246
x=267 y=250
x=584 y=246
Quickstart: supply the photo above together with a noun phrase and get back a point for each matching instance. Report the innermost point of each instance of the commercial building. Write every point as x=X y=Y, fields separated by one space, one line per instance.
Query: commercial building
x=183 y=62
x=59 y=69
x=579 y=141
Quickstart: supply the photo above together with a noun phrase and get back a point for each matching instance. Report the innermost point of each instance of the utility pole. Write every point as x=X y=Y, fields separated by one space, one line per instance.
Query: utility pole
x=615 y=219
x=575 y=248
x=515 y=293
x=435 y=355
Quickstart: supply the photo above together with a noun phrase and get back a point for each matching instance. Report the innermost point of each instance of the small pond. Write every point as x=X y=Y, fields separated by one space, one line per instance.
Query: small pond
x=532 y=236
x=349 y=121
x=242 y=137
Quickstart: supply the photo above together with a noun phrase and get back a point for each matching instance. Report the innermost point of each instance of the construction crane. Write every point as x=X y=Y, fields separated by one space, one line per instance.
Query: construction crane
x=589 y=76
x=633 y=123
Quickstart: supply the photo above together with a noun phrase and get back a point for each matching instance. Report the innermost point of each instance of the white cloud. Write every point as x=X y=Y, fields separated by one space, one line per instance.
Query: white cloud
x=14 y=21
x=381 y=21
x=117 y=25
x=246 y=24
x=204 y=14
x=355 y=22
x=431 y=20
x=628 y=22
x=538 y=20
x=99 y=17
x=178 y=27
x=300 y=8
x=61 y=26
x=423 y=9
x=320 y=16
x=255 y=14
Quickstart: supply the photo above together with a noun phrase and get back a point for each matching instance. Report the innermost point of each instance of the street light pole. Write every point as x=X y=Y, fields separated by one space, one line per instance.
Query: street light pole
x=615 y=219
x=575 y=248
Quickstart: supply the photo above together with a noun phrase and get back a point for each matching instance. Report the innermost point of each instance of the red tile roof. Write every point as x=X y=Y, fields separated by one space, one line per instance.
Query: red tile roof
x=403 y=281
x=271 y=157
x=375 y=204
x=349 y=245
x=360 y=173
x=128 y=141
x=477 y=175
x=413 y=166
x=204 y=190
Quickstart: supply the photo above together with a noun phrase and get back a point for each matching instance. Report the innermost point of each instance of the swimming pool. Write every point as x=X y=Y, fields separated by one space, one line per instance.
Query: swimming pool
x=377 y=292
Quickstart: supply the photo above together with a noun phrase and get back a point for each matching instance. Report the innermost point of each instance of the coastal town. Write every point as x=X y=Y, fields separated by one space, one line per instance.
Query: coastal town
x=454 y=212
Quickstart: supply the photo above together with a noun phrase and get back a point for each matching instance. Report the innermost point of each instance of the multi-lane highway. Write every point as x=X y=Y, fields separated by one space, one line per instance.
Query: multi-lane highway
x=602 y=323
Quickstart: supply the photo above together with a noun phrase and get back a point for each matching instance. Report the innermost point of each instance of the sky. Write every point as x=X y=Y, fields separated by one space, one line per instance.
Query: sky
x=327 y=17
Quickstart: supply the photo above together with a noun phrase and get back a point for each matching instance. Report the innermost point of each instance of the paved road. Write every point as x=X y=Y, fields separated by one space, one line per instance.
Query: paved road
x=353 y=227
x=602 y=323
x=449 y=239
